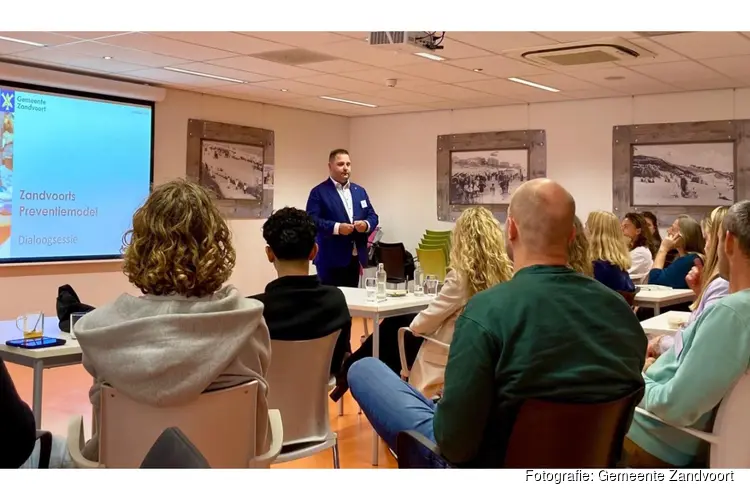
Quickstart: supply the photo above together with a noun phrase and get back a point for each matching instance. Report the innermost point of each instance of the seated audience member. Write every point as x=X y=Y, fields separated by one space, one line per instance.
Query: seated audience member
x=636 y=230
x=190 y=331
x=684 y=236
x=479 y=262
x=687 y=383
x=578 y=251
x=297 y=305
x=608 y=251
x=547 y=333
x=653 y=227
x=703 y=280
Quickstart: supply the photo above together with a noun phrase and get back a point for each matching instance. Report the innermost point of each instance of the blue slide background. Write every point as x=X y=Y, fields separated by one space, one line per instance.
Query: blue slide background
x=100 y=151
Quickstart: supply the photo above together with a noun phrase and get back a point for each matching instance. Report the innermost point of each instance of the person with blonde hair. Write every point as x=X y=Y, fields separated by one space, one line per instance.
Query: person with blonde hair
x=189 y=332
x=478 y=262
x=578 y=251
x=608 y=251
x=686 y=237
x=703 y=279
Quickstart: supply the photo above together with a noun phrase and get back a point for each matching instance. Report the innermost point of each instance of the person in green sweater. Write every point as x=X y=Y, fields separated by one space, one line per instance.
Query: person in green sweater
x=685 y=385
x=549 y=333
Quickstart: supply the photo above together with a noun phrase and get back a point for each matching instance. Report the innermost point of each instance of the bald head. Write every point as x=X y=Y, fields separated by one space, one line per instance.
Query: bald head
x=543 y=213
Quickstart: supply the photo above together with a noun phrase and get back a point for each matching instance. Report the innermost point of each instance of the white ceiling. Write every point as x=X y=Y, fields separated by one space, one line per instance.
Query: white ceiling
x=356 y=71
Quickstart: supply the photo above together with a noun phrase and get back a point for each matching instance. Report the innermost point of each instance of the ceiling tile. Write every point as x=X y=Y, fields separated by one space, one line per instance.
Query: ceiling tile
x=677 y=71
x=263 y=67
x=121 y=54
x=225 y=72
x=259 y=92
x=223 y=40
x=510 y=90
x=735 y=67
x=499 y=41
x=453 y=49
x=342 y=82
x=441 y=72
x=295 y=87
x=561 y=82
x=358 y=35
x=401 y=95
x=367 y=99
x=593 y=93
x=336 y=66
x=499 y=66
x=324 y=104
x=49 y=39
x=379 y=76
x=663 y=54
x=165 y=76
x=401 y=108
x=63 y=60
x=580 y=36
x=167 y=47
x=361 y=51
x=708 y=44
x=710 y=84
x=92 y=35
x=453 y=93
x=622 y=79
x=305 y=39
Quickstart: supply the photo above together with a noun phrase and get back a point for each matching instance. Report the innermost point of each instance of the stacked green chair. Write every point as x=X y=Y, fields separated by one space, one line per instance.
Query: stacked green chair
x=434 y=252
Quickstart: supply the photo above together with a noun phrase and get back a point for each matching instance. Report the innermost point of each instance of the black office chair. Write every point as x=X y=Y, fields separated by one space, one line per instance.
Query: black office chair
x=173 y=450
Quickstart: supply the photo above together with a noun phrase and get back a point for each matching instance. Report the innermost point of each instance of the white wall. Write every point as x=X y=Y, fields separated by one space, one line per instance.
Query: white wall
x=395 y=156
x=303 y=141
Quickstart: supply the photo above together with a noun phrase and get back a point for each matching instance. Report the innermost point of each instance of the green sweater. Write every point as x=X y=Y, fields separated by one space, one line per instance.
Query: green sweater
x=548 y=333
x=685 y=384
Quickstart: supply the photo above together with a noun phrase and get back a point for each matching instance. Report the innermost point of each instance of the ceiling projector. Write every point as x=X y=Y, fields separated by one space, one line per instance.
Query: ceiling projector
x=407 y=40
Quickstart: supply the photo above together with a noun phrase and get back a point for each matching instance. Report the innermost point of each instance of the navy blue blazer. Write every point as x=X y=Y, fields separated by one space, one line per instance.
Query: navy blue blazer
x=326 y=207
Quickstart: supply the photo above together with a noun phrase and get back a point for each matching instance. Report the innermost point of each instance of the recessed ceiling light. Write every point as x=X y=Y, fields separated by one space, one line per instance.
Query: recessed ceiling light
x=107 y=57
x=535 y=85
x=427 y=55
x=25 y=42
x=347 y=101
x=205 y=75
x=478 y=70
x=284 y=90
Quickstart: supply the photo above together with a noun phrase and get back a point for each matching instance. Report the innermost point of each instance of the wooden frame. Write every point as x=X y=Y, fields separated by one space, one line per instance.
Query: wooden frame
x=534 y=141
x=201 y=130
x=624 y=137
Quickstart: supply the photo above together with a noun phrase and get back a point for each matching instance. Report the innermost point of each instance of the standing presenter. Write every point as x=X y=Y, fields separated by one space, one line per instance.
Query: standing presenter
x=344 y=216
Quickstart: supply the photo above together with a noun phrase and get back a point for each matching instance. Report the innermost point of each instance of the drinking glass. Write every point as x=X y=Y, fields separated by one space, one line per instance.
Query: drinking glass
x=32 y=325
x=74 y=317
x=431 y=285
x=371 y=289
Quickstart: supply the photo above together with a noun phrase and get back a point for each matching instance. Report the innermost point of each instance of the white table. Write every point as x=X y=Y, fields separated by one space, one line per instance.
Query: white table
x=656 y=299
x=360 y=307
x=659 y=325
x=39 y=359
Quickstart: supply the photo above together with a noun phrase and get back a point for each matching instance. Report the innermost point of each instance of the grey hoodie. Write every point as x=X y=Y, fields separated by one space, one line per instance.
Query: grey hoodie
x=167 y=350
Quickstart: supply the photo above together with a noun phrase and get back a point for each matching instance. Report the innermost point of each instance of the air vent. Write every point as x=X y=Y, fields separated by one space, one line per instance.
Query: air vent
x=577 y=58
x=582 y=54
x=294 y=57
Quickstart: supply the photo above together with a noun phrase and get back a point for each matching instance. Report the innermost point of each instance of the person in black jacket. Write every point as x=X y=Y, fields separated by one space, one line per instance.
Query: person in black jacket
x=296 y=305
x=17 y=424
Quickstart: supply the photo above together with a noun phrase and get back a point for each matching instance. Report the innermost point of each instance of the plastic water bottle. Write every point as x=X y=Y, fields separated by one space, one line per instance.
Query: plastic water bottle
x=418 y=280
x=382 y=279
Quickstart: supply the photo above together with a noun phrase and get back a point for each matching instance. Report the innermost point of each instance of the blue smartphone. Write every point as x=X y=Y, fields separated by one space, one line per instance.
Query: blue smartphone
x=36 y=343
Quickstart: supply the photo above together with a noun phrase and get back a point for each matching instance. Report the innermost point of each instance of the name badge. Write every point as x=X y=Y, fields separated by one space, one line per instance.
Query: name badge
x=363 y=203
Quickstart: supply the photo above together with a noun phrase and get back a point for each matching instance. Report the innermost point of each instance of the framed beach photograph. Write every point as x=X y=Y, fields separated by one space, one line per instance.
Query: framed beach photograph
x=236 y=163
x=485 y=168
x=487 y=177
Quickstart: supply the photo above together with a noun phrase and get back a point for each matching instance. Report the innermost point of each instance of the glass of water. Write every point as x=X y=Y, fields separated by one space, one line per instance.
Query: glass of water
x=74 y=318
x=371 y=289
x=431 y=285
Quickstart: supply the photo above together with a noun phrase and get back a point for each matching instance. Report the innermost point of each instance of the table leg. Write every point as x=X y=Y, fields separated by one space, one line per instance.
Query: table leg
x=376 y=355
x=657 y=311
x=37 y=394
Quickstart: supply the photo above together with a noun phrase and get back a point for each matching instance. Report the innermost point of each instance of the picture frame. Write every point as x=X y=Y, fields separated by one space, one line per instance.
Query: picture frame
x=236 y=163
x=684 y=167
x=484 y=168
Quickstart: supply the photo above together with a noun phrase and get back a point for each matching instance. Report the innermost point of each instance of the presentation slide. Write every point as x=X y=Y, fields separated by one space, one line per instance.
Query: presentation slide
x=74 y=169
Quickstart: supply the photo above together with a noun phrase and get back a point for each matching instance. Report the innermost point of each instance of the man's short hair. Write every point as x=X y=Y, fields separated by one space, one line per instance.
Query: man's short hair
x=737 y=222
x=333 y=154
x=290 y=232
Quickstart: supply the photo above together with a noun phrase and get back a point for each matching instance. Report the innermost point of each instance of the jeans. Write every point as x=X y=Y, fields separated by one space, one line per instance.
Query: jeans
x=390 y=404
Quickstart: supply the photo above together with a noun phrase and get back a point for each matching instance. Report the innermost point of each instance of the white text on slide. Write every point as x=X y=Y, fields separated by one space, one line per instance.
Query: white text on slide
x=47 y=240
x=58 y=212
x=45 y=195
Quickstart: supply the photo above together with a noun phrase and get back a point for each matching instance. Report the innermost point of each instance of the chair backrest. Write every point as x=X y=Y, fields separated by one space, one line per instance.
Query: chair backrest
x=551 y=435
x=393 y=258
x=432 y=262
x=628 y=296
x=173 y=450
x=730 y=426
x=220 y=423
x=298 y=387
x=444 y=234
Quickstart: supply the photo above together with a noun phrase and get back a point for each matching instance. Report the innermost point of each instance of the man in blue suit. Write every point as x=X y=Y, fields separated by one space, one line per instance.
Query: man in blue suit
x=344 y=217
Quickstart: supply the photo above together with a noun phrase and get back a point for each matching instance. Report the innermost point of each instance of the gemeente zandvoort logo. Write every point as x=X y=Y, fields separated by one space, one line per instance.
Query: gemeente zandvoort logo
x=7 y=100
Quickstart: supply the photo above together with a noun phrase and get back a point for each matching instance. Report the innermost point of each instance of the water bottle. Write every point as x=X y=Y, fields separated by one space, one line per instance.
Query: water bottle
x=382 y=278
x=418 y=280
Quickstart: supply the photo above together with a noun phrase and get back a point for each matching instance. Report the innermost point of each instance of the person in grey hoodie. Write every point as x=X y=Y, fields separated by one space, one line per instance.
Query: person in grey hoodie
x=190 y=332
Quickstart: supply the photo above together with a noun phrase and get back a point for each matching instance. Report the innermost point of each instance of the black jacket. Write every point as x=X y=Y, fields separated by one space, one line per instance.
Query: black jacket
x=17 y=424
